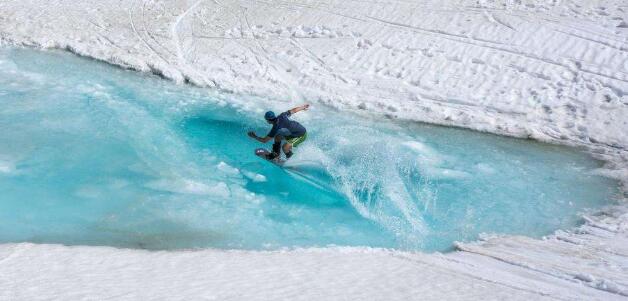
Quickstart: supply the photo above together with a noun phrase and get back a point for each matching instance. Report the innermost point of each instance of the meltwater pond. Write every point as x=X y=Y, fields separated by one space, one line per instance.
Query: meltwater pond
x=91 y=154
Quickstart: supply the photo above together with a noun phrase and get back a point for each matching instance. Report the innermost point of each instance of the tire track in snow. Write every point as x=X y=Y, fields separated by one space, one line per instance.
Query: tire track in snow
x=104 y=37
x=560 y=274
x=288 y=81
x=620 y=48
x=320 y=62
x=472 y=276
x=469 y=41
x=493 y=19
x=148 y=33
x=137 y=34
x=174 y=31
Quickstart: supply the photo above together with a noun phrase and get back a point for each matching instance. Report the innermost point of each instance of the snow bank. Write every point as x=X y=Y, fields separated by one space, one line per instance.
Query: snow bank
x=43 y=272
x=550 y=70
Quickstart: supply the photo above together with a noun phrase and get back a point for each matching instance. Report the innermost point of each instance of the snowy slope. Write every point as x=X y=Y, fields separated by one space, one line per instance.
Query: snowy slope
x=550 y=70
x=42 y=272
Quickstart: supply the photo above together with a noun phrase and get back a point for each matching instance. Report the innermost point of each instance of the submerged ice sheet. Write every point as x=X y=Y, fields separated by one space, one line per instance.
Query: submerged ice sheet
x=91 y=154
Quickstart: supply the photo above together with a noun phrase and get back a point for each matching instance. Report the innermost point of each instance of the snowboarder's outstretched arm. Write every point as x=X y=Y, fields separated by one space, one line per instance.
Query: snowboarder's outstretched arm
x=299 y=108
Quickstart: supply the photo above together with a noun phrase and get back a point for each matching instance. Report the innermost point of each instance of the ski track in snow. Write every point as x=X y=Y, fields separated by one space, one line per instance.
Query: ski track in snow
x=555 y=71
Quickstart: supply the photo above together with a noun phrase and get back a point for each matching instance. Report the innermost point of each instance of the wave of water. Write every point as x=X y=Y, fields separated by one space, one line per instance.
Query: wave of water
x=90 y=154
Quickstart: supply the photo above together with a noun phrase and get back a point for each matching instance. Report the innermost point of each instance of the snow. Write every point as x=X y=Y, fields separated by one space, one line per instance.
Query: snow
x=188 y=186
x=86 y=273
x=555 y=71
x=228 y=169
x=255 y=177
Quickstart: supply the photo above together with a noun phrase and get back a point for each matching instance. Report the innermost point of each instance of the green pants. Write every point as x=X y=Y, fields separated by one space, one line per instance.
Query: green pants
x=297 y=140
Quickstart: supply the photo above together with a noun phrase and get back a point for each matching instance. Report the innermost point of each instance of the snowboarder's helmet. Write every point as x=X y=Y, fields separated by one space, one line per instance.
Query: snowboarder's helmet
x=270 y=115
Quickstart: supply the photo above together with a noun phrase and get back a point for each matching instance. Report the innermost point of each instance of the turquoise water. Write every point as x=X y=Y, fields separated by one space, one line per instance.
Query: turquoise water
x=91 y=154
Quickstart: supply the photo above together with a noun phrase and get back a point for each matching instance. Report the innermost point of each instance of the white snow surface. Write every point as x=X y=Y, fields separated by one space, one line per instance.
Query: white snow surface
x=551 y=70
